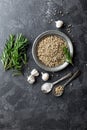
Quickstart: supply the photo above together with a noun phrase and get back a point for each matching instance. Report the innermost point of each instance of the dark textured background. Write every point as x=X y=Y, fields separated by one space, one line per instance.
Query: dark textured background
x=25 y=107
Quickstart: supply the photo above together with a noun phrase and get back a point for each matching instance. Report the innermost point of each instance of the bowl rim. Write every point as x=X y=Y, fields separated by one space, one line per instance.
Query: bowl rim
x=51 y=32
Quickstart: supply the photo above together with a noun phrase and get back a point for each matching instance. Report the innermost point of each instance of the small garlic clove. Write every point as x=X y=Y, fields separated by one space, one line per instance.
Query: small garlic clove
x=59 y=23
x=35 y=72
x=45 y=76
x=31 y=79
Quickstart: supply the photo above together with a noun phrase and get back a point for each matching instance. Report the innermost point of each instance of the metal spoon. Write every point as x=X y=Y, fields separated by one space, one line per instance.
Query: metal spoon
x=47 y=87
x=59 y=90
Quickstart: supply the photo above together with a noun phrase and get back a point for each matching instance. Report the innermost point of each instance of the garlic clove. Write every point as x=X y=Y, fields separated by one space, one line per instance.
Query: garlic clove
x=31 y=79
x=45 y=76
x=59 y=23
x=35 y=72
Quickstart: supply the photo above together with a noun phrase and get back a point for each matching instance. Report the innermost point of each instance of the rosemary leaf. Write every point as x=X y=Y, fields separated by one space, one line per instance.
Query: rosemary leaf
x=14 y=55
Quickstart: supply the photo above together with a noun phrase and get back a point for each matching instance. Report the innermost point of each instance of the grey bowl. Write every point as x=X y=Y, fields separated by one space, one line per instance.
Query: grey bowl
x=51 y=32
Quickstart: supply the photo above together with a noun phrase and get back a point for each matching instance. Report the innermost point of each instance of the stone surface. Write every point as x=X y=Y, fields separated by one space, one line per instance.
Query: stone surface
x=25 y=107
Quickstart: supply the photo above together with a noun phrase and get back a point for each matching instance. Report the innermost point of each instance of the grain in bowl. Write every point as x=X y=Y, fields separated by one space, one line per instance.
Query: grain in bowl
x=50 y=50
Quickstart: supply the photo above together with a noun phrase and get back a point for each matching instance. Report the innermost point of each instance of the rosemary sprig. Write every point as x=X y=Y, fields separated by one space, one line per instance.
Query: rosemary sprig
x=14 y=54
x=68 y=56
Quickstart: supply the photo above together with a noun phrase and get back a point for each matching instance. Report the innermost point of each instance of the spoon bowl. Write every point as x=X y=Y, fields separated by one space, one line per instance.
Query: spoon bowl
x=47 y=87
x=59 y=90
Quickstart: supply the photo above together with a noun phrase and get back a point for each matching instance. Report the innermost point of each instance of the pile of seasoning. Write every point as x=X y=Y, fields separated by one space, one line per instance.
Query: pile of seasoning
x=50 y=50
x=58 y=90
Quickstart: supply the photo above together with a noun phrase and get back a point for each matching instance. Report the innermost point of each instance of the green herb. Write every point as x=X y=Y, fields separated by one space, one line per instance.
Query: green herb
x=68 y=56
x=14 y=53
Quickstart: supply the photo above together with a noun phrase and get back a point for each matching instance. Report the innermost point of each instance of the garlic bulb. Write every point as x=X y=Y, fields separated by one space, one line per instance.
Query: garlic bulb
x=59 y=23
x=31 y=79
x=45 y=76
x=35 y=72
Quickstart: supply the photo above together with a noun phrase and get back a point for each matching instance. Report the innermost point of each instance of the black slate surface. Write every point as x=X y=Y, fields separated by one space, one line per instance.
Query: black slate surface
x=25 y=107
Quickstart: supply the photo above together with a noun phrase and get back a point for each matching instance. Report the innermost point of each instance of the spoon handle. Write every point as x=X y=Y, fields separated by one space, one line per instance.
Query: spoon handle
x=74 y=76
x=63 y=78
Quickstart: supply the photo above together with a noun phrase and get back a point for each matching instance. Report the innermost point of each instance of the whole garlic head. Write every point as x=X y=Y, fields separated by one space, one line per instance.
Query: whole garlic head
x=45 y=76
x=59 y=23
x=31 y=79
x=35 y=72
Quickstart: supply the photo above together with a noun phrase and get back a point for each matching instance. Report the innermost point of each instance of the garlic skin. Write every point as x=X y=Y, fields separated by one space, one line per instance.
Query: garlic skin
x=45 y=76
x=59 y=23
x=31 y=79
x=35 y=72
